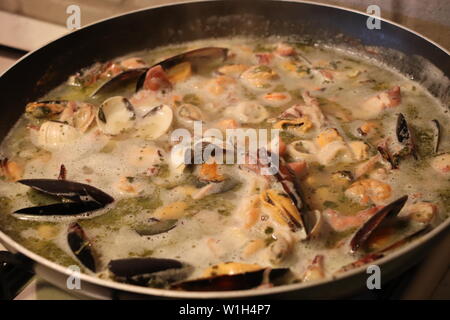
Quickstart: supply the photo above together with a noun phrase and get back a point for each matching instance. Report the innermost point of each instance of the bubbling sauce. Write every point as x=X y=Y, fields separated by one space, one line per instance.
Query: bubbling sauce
x=340 y=145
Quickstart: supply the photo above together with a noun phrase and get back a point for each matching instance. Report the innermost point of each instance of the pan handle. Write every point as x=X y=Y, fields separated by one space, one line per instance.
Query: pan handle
x=16 y=270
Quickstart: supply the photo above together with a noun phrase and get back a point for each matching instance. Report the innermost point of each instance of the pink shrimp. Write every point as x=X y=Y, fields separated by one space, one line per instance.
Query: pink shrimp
x=340 y=222
x=285 y=50
x=264 y=58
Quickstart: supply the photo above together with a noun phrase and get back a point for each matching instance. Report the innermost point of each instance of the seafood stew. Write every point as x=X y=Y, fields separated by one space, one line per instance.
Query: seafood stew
x=90 y=175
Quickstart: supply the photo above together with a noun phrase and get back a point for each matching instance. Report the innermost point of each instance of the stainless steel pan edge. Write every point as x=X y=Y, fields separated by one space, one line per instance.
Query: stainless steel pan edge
x=341 y=285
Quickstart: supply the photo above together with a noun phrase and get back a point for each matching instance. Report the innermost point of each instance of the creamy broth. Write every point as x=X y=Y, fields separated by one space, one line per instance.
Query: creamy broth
x=337 y=113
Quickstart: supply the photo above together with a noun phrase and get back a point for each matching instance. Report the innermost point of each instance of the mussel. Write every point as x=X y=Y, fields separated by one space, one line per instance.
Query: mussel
x=46 y=109
x=237 y=281
x=282 y=208
x=154 y=272
x=84 y=197
x=386 y=154
x=64 y=208
x=76 y=114
x=373 y=256
x=287 y=181
x=193 y=59
x=120 y=81
x=198 y=57
x=297 y=126
x=365 y=231
x=405 y=137
x=135 y=266
x=81 y=246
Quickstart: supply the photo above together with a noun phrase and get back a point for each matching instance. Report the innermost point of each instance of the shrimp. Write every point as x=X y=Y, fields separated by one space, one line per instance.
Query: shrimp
x=227 y=124
x=11 y=170
x=252 y=211
x=367 y=128
x=264 y=58
x=276 y=99
x=210 y=172
x=366 y=166
x=285 y=50
x=127 y=185
x=218 y=85
x=340 y=222
x=378 y=103
x=252 y=248
x=422 y=212
x=156 y=79
x=367 y=190
x=298 y=168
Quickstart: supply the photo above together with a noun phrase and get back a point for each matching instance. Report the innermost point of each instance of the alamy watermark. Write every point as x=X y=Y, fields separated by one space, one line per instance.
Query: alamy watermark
x=374 y=280
x=73 y=281
x=73 y=21
x=373 y=22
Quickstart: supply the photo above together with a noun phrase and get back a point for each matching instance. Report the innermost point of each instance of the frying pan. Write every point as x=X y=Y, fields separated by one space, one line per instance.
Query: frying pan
x=40 y=71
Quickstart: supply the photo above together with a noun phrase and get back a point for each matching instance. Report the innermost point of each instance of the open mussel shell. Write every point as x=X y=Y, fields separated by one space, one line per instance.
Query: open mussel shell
x=81 y=246
x=69 y=189
x=119 y=81
x=228 y=282
x=197 y=57
x=291 y=185
x=130 y=267
x=386 y=155
x=160 y=279
x=282 y=208
x=363 y=234
x=371 y=257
